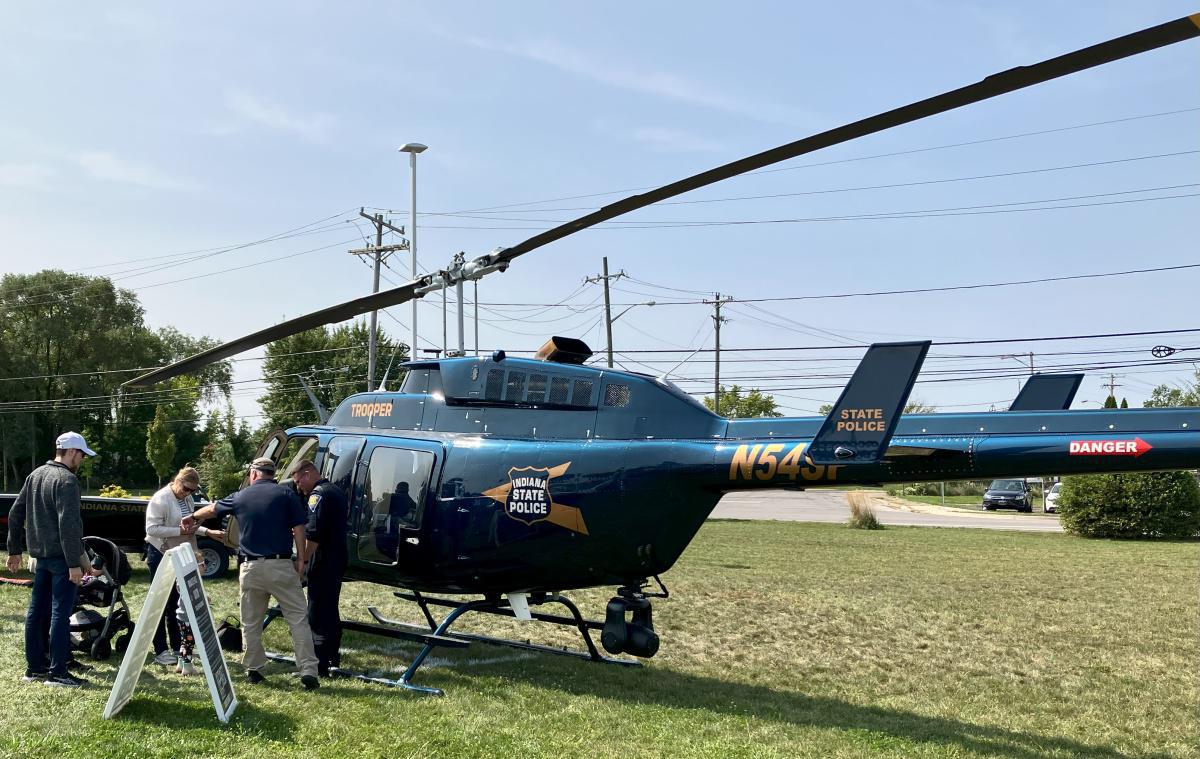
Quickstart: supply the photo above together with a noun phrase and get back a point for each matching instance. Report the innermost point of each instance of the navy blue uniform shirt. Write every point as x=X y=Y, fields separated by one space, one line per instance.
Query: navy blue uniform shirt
x=266 y=513
x=327 y=517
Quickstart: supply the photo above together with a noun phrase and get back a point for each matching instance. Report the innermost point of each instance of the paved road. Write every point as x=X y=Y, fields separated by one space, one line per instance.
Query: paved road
x=831 y=506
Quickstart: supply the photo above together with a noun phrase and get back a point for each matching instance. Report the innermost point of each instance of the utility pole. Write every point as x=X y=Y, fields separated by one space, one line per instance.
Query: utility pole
x=1112 y=386
x=605 y=277
x=717 y=301
x=475 y=309
x=378 y=253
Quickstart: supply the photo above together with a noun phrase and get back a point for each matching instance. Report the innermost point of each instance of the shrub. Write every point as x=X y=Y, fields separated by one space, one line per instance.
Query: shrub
x=862 y=516
x=1143 y=505
x=114 y=491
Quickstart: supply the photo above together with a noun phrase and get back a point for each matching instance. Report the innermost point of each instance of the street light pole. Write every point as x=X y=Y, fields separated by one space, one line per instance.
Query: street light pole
x=412 y=148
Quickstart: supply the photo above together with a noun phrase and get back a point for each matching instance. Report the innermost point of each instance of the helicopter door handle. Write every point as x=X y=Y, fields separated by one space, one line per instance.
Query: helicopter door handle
x=414 y=541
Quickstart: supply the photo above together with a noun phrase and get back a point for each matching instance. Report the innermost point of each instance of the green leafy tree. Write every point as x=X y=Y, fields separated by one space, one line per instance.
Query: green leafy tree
x=736 y=405
x=1110 y=402
x=1165 y=396
x=160 y=445
x=1124 y=403
x=220 y=470
x=334 y=363
x=1142 y=505
x=1150 y=504
x=75 y=338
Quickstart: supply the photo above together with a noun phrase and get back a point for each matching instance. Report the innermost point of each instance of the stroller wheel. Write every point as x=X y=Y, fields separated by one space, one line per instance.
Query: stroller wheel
x=122 y=642
x=101 y=650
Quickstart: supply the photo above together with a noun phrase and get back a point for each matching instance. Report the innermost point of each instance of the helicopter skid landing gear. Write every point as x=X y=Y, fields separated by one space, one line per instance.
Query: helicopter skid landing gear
x=438 y=634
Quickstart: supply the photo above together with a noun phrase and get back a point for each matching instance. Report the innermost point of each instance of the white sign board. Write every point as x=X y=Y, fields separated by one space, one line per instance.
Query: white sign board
x=179 y=567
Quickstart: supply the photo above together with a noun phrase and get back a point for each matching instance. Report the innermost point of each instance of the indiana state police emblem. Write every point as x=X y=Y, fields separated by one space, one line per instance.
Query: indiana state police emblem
x=527 y=498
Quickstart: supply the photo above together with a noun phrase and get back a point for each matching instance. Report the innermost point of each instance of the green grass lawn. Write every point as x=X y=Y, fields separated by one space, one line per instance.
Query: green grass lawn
x=779 y=640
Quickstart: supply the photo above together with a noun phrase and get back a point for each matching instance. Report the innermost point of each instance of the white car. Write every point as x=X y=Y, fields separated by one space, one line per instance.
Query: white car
x=1052 y=498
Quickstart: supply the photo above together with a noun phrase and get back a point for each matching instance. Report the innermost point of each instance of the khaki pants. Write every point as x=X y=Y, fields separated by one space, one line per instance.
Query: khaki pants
x=258 y=581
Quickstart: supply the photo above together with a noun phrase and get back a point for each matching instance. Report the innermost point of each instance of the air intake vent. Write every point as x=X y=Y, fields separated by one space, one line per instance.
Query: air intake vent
x=564 y=350
x=616 y=395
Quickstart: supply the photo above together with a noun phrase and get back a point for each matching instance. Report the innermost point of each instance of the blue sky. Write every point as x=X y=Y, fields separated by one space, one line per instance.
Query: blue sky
x=132 y=132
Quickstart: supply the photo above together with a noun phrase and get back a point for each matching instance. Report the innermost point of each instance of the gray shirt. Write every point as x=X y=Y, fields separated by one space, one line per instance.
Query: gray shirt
x=46 y=519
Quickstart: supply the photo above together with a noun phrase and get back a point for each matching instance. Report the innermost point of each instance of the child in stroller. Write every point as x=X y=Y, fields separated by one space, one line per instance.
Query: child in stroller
x=91 y=631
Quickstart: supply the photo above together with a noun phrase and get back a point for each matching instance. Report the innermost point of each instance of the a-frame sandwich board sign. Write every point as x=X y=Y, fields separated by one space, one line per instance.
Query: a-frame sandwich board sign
x=179 y=567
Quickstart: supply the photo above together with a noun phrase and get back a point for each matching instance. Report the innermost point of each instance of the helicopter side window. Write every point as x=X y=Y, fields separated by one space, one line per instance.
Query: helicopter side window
x=298 y=449
x=416 y=381
x=582 y=396
x=516 y=386
x=338 y=466
x=495 y=384
x=537 y=388
x=560 y=387
x=397 y=481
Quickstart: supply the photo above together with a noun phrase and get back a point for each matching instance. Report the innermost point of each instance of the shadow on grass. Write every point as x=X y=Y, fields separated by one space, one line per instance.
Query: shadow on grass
x=272 y=725
x=664 y=687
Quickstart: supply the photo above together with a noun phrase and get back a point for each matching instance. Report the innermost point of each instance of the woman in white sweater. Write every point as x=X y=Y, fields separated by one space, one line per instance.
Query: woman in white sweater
x=164 y=513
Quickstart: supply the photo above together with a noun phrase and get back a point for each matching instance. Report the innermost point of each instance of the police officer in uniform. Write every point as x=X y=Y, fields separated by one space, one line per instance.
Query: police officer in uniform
x=326 y=554
x=272 y=520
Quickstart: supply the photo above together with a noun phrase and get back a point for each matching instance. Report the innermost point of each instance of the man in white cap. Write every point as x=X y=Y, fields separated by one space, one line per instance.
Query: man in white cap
x=46 y=521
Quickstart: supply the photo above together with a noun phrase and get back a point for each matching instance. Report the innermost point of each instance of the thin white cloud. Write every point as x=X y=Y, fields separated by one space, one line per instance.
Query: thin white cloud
x=275 y=117
x=660 y=83
x=109 y=167
x=26 y=176
x=673 y=140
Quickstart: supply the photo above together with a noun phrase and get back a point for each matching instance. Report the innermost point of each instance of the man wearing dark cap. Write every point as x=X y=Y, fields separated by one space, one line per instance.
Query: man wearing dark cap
x=272 y=521
x=46 y=520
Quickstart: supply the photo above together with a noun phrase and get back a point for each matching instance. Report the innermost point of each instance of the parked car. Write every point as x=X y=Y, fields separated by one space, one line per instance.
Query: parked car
x=123 y=521
x=1052 y=498
x=1008 y=494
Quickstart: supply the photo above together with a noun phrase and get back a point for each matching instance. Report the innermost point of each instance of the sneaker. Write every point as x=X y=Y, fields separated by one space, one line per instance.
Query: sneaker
x=255 y=677
x=35 y=677
x=310 y=682
x=185 y=666
x=65 y=681
x=166 y=658
x=76 y=666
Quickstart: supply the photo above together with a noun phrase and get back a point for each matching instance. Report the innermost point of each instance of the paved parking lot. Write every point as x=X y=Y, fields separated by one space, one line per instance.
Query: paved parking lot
x=832 y=506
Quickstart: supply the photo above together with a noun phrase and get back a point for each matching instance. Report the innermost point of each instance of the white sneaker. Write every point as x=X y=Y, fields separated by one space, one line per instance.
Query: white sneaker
x=166 y=658
x=185 y=667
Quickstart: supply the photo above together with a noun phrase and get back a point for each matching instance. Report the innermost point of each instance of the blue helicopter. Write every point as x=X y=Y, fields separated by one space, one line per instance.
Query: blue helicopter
x=517 y=479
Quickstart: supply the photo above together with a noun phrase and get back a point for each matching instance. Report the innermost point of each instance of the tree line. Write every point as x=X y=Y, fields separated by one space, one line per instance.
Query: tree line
x=68 y=341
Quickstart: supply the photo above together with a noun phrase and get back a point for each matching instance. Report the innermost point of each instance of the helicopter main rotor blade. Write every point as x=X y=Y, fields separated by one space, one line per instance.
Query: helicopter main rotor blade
x=331 y=315
x=996 y=84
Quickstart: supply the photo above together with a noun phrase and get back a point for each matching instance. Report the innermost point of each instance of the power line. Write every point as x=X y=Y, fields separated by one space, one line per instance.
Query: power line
x=889 y=186
x=975 y=210
x=1021 y=135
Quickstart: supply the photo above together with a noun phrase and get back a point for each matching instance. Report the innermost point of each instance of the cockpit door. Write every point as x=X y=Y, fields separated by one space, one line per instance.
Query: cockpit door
x=271 y=447
x=396 y=484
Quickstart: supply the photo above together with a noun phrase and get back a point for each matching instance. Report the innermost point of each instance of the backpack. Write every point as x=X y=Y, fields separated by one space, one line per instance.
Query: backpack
x=229 y=633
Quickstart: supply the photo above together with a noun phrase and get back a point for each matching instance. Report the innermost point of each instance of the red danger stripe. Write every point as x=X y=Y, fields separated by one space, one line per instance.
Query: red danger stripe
x=1135 y=447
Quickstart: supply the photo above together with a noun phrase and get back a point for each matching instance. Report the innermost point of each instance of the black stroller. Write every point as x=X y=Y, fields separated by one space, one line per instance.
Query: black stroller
x=91 y=631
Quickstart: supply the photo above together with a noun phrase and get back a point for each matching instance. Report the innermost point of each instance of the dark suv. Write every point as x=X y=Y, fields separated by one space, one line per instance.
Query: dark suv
x=1008 y=494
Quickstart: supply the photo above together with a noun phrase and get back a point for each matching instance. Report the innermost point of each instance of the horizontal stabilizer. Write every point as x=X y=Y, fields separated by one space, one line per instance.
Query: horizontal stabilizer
x=1047 y=392
x=858 y=429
